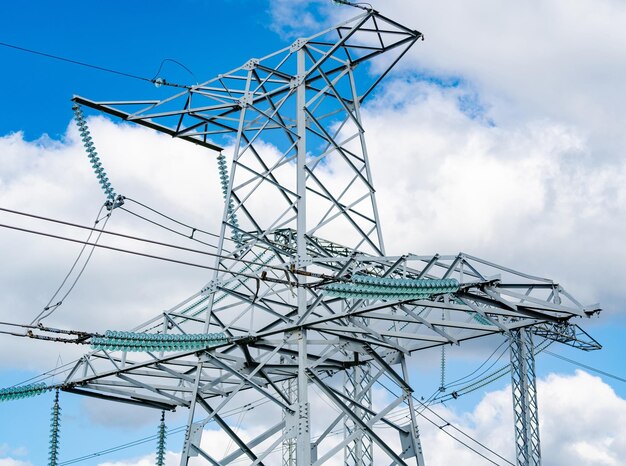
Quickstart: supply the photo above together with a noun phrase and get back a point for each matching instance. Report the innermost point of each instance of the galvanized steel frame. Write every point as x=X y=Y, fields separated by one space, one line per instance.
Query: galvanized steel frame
x=305 y=100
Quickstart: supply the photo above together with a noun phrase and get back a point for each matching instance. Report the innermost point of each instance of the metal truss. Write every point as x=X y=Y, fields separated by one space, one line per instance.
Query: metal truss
x=300 y=208
x=357 y=387
x=525 y=409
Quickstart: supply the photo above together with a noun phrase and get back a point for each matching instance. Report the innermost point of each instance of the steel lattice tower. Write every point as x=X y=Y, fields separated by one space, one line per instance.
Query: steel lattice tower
x=300 y=208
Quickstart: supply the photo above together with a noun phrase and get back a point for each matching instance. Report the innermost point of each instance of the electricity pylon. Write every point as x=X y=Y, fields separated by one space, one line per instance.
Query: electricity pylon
x=304 y=290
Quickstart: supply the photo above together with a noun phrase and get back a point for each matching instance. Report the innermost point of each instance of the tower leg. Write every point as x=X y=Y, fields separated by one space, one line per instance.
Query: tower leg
x=359 y=452
x=525 y=410
x=289 y=436
x=193 y=433
x=303 y=443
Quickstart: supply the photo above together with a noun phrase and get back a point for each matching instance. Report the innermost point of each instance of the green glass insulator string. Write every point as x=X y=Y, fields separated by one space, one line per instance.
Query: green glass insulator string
x=371 y=287
x=139 y=342
x=24 y=391
x=55 y=425
x=161 y=441
x=113 y=200
x=231 y=215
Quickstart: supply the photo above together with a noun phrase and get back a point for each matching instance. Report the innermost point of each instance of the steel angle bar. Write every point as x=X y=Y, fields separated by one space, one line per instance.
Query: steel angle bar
x=343 y=209
x=338 y=332
x=483 y=314
x=288 y=132
x=359 y=431
x=151 y=388
x=507 y=269
x=473 y=270
x=118 y=399
x=342 y=151
x=387 y=368
x=148 y=124
x=273 y=117
x=543 y=303
x=268 y=177
x=428 y=324
x=382 y=76
x=256 y=441
x=360 y=22
x=380 y=416
x=330 y=84
x=176 y=374
x=252 y=384
x=360 y=323
x=121 y=394
x=205 y=455
x=226 y=428
x=362 y=424
x=568 y=334
x=496 y=302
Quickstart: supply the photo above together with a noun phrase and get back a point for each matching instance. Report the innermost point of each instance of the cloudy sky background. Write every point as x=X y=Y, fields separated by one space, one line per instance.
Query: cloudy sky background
x=501 y=135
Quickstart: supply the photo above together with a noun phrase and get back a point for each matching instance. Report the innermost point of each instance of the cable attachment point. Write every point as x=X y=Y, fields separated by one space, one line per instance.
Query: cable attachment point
x=119 y=201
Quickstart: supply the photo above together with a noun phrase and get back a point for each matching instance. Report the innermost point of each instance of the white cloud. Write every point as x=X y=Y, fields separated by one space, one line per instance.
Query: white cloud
x=54 y=179
x=581 y=422
x=7 y=450
x=524 y=196
x=532 y=60
x=291 y=18
x=171 y=459
x=14 y=462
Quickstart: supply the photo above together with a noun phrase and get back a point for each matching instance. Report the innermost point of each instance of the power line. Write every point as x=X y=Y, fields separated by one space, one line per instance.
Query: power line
x=448 y=424
x=442 y=428
x=463 y=379
x=199 y=230
x=584 y=366
x=171 y=230
x=480 y=381
x=50 y=308
x=95 y=67
x=135 y=238
x=151 y=256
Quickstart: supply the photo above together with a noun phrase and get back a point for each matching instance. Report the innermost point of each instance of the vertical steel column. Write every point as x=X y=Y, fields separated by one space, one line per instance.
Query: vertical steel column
x=525 y=410
x=359 y=452
x=303 y=444
x=289 y=440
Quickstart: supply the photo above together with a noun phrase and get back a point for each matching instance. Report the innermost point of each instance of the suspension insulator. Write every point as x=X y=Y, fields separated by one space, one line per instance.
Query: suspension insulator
x=24 y=391
x=370 y=287
x=231 y=215
x=161 y=442
x=138 y=342
x=113 y=200
x=55 y=425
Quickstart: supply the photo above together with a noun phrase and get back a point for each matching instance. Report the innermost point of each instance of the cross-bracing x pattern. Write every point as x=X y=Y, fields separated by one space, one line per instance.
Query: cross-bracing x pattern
x=300 y=205
x=525 y=411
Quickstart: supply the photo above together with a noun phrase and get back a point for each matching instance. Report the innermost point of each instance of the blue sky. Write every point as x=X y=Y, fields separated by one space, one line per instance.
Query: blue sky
x=531 y=110
x=130 y=37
